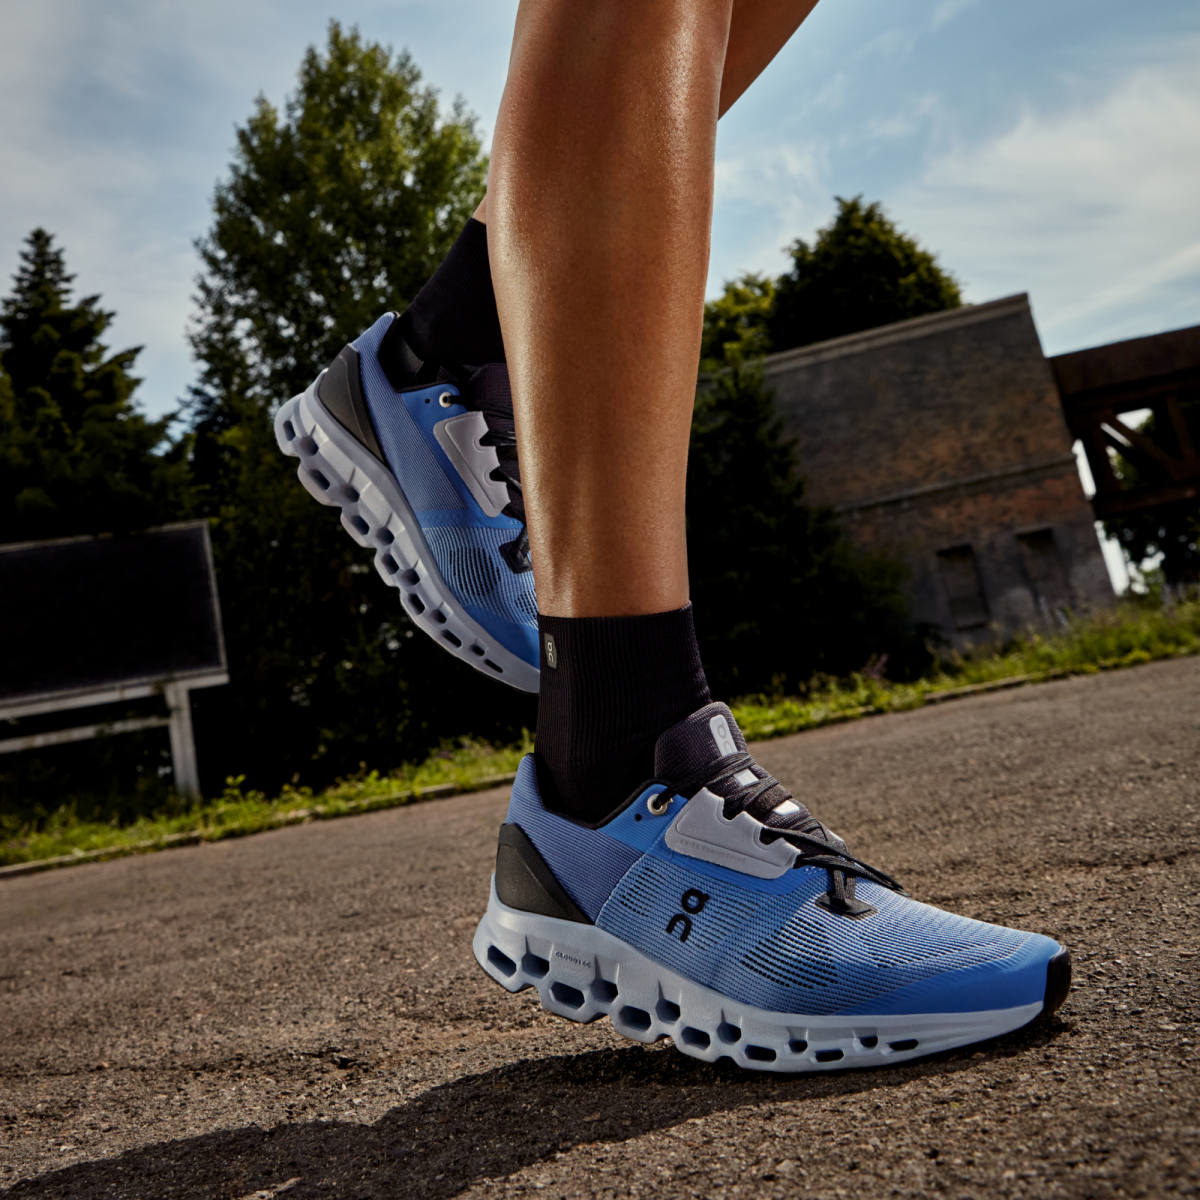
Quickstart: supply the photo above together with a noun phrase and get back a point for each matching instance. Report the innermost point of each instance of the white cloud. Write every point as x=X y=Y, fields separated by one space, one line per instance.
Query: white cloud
x=1091 y=210
x=764 y=198
x=947 y=10
x=905 y=122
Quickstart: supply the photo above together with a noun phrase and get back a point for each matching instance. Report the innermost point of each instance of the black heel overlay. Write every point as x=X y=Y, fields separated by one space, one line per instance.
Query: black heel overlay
x=400 y=362
x=525 y=882
x=340 y=390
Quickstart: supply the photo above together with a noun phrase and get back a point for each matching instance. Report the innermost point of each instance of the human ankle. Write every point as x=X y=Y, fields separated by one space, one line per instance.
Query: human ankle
x=609 y=687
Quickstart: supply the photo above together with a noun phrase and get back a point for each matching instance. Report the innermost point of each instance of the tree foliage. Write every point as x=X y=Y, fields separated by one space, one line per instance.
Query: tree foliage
x=1172 y=530
x=335 y=209
x=735 y=324
x=76 y=455
x=780 y=593
x=859 y=272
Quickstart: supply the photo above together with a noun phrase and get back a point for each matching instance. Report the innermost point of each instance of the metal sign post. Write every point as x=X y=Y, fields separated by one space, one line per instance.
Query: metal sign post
x=93 y=622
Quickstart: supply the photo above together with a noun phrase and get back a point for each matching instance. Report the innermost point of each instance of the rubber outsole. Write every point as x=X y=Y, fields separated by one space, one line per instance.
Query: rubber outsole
x=339 y=472
x=582 y=973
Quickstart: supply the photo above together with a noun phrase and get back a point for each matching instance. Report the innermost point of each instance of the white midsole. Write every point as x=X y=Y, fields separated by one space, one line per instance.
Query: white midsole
x=377 y=516
x=582 y=973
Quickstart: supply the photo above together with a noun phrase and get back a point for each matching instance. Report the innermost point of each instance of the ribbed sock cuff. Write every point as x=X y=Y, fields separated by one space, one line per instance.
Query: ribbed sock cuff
x=609 y=687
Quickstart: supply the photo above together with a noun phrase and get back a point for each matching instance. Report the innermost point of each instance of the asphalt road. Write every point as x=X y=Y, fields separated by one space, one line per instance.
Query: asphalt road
x=298 y=1013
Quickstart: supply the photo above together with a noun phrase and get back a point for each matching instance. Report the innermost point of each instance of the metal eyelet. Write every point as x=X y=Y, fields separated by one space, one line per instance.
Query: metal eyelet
x=446 y=399
x=658 y=804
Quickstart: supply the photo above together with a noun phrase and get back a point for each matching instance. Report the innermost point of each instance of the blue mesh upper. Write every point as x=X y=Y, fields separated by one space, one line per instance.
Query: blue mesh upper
x=786 y=953
x=768 y=943
x=462 y=539
x=469 y=560
x=421 y=476
x=585 y=861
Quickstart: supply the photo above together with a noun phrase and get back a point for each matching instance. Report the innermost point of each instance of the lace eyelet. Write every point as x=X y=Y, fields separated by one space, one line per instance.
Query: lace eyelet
x=446 y=399
x=658 y=804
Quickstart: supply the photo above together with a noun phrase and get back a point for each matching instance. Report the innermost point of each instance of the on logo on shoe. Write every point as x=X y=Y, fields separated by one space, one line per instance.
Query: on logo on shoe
x=692 y=901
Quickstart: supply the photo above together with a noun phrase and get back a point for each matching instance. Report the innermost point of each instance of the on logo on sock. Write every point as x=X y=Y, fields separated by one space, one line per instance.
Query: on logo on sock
x=550 y=650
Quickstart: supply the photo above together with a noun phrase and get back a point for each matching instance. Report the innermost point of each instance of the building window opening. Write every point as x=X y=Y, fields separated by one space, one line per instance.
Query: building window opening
x=964 y=588
x=1044 y=573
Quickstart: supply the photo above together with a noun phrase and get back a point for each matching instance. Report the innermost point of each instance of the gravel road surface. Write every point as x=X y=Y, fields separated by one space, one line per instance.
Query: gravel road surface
x=298 y=1014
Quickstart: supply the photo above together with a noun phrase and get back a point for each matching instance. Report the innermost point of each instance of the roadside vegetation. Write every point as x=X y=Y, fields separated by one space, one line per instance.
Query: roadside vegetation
x=1136 y=631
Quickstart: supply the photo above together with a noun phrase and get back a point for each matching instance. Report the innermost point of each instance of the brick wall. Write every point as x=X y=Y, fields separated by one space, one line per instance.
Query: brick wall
x=942 y=441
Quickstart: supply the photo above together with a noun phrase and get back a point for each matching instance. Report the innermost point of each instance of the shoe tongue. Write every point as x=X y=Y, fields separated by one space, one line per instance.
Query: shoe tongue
x=488 y=389
x=708 y=734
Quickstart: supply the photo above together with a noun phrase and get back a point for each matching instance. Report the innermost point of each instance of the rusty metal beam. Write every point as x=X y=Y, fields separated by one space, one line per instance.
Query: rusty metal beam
x=1126 y=500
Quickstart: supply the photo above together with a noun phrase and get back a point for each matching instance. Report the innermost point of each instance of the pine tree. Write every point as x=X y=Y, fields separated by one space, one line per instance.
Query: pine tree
x=76 y=454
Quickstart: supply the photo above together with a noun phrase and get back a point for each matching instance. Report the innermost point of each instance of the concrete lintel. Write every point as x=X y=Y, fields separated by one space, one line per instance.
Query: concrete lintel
x=900 y=331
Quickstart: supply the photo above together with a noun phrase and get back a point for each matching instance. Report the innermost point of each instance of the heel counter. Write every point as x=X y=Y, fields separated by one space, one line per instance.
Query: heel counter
x=340 y=391
x=525 y=798
x=524 y=881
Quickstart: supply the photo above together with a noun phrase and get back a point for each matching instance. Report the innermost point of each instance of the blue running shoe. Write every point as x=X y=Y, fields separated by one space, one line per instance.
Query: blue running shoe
x=421 y=461
x=714 y=909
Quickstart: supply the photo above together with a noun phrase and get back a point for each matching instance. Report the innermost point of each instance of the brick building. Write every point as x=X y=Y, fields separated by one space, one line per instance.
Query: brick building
x=942 y=441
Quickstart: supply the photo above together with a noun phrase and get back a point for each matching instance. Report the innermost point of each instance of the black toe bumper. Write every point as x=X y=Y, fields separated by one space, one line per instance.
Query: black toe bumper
x=1058 y=981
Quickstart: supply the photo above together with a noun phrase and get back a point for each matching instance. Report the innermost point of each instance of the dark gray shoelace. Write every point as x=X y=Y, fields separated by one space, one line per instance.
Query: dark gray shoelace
x=502 y=435
x=487 y=391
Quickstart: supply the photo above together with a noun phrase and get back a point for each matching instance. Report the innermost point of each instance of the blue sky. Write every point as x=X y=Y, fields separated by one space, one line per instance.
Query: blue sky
x=1048 y=146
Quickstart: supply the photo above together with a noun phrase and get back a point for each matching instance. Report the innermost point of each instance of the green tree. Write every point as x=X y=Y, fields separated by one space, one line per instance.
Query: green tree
x=335 y=209
x=859 y=272
x=76 y=455
x=1172 y=530
x=780 y=593
x=735 y=324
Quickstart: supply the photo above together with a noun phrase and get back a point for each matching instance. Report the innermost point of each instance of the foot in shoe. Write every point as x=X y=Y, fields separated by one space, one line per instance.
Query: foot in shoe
x=714 y=909
x=421 y=460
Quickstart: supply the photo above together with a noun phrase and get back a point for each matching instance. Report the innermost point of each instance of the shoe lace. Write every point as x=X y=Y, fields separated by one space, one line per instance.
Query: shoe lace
x=817 y=845
x=502 y=435
x=487 y=391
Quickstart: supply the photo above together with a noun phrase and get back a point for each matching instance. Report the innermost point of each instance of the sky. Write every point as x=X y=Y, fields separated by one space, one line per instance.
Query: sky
x=1044 y=146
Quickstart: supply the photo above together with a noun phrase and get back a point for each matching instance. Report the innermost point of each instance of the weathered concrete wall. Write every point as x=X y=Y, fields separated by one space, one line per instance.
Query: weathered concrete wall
x=942 y=441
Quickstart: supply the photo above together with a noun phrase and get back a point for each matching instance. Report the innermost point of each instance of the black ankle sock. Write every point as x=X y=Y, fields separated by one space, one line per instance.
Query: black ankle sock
x=609 y=687
x=453 y=320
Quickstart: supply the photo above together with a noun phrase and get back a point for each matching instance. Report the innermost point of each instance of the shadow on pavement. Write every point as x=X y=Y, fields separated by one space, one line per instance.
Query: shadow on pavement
x=484 y=1126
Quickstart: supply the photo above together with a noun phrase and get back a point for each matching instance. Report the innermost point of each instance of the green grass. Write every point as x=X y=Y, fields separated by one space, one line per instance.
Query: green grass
x=1131 y=633
x=459 y=768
